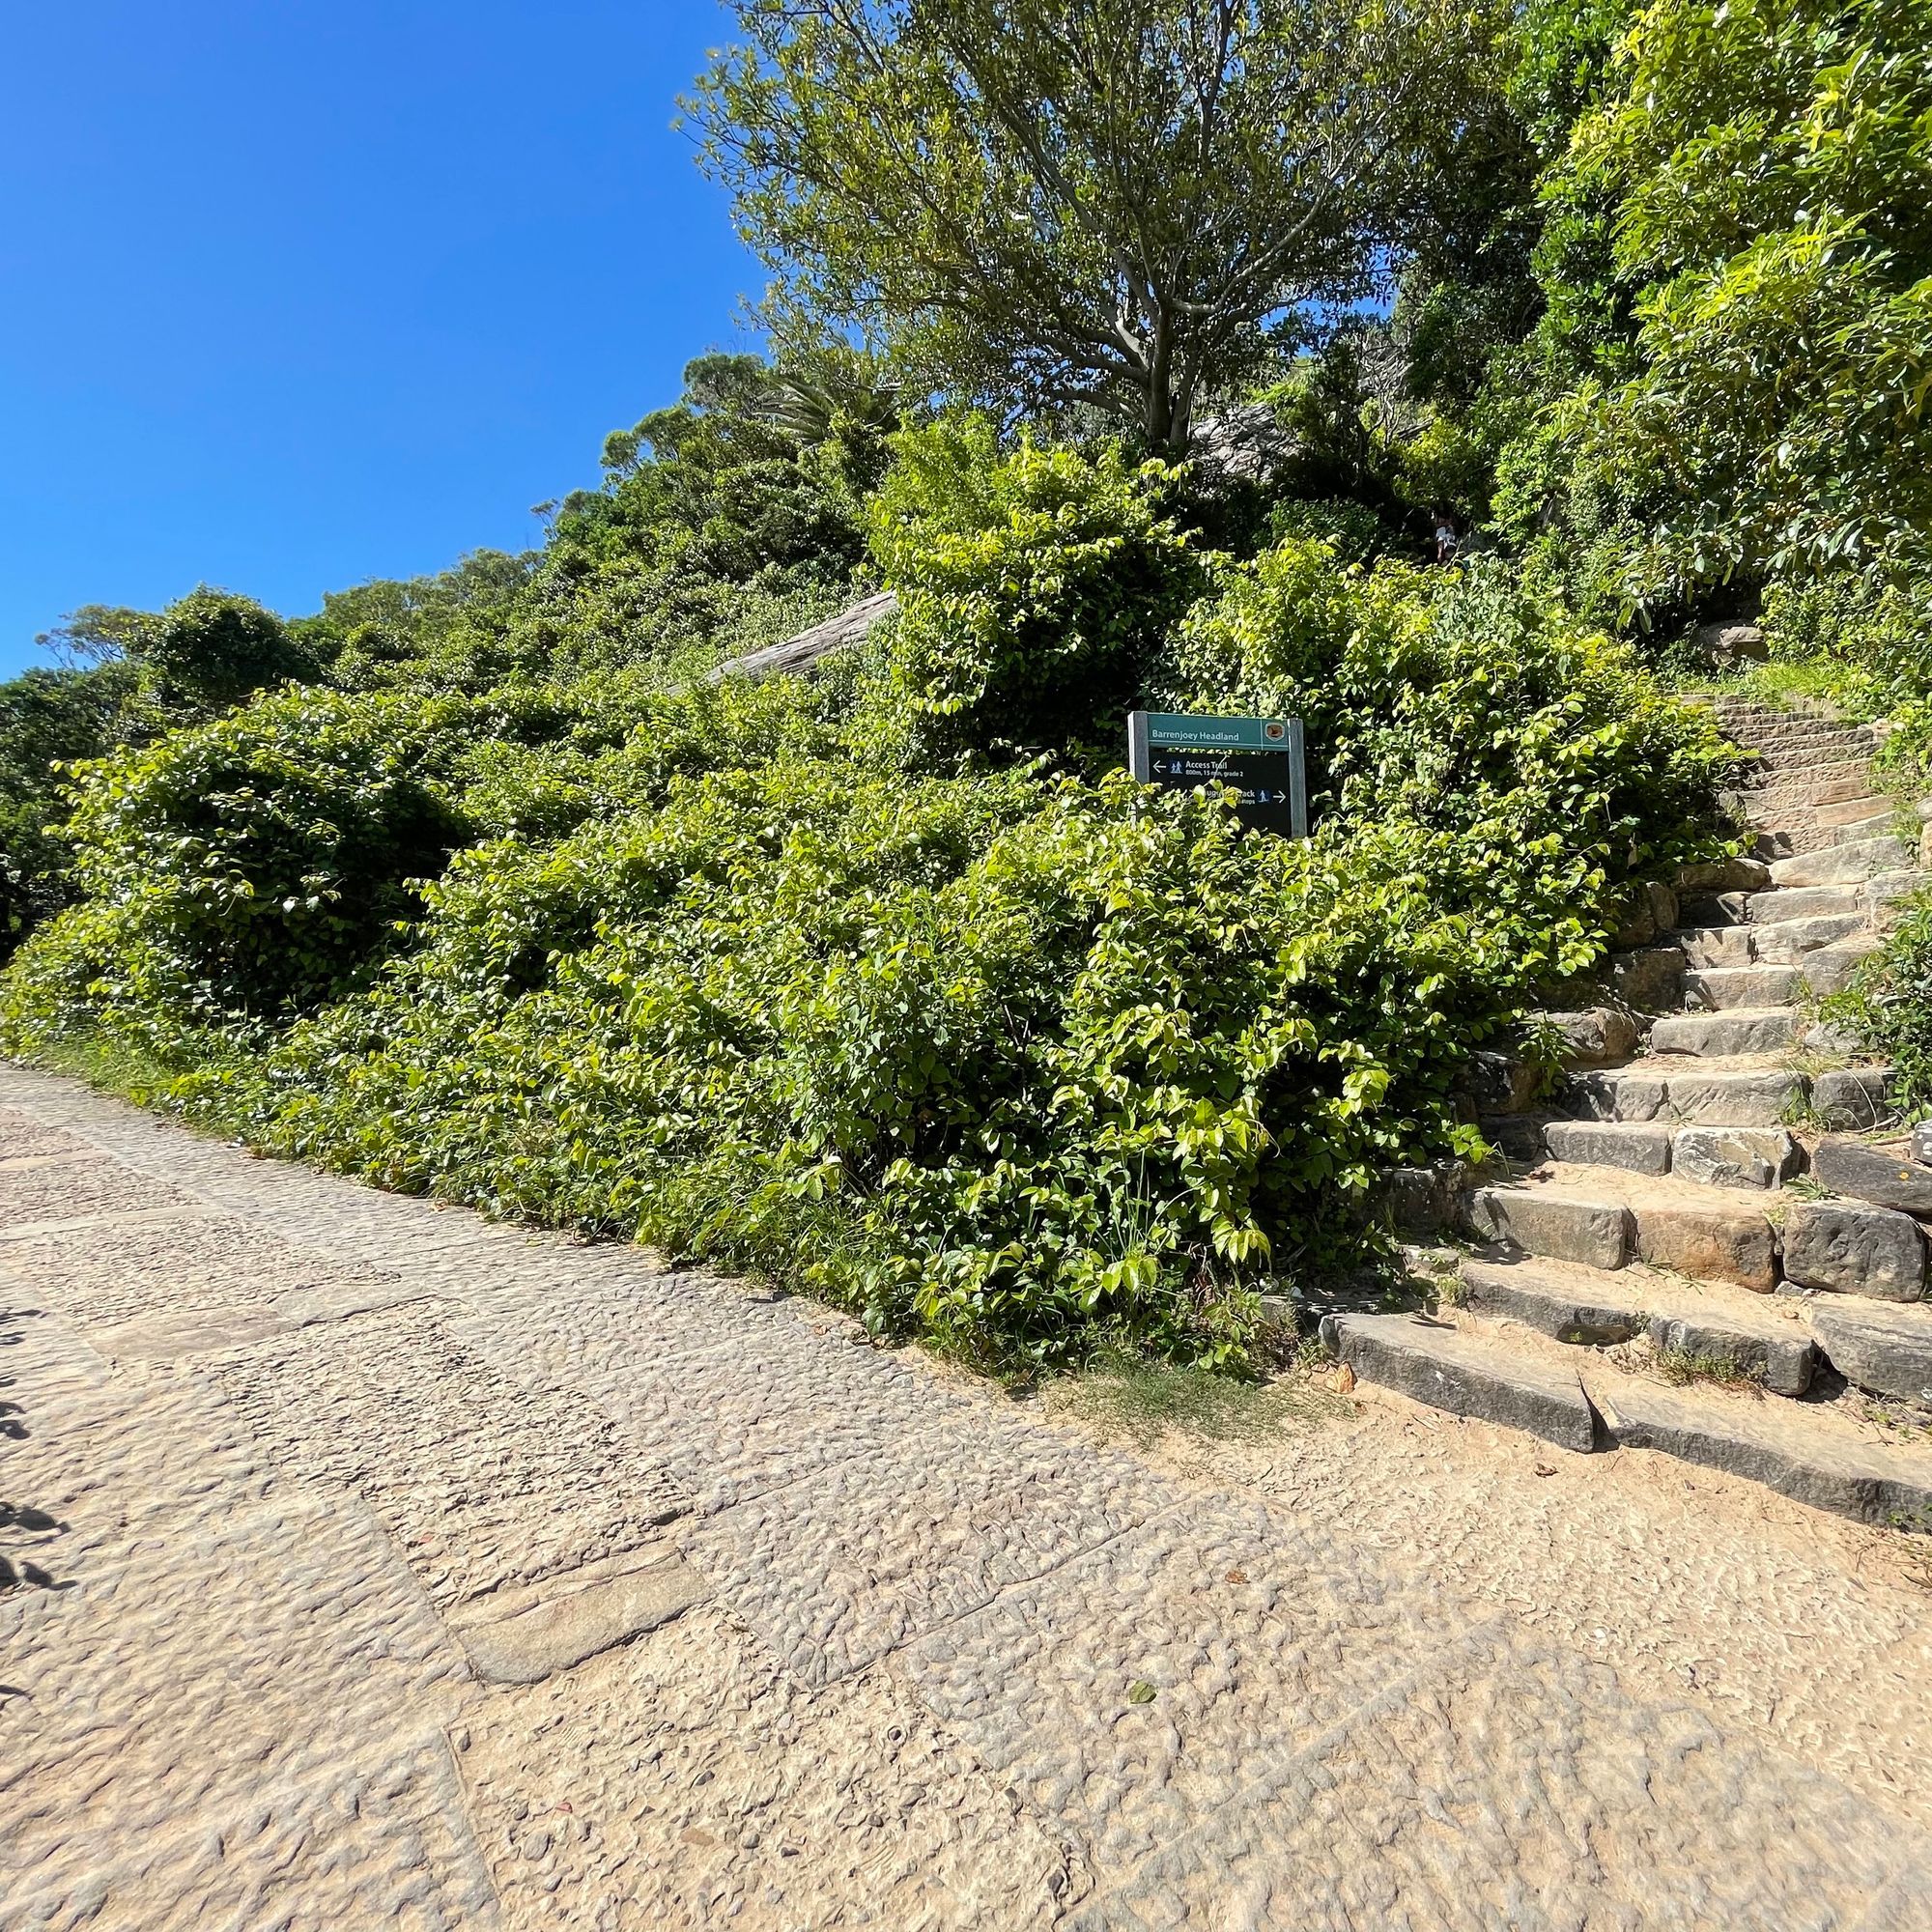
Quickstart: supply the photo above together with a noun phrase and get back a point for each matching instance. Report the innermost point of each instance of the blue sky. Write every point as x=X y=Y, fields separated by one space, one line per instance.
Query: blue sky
x=294 y=293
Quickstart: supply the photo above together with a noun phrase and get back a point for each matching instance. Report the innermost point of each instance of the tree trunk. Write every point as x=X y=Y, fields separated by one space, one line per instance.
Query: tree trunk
x=1161 y=425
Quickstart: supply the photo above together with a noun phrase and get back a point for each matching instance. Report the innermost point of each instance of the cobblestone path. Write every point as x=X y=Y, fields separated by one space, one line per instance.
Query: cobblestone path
x=370 y=1565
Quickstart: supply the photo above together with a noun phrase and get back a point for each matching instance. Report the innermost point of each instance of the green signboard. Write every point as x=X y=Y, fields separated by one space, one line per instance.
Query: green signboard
x=1261 y=758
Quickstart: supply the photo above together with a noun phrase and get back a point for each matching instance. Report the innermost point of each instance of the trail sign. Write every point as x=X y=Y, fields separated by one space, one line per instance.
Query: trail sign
x=1261 y=757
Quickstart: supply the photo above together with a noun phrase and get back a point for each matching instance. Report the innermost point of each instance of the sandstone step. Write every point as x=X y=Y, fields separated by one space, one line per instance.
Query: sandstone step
x=1801 y=763
x=1573 y=1305
x=1757 y=1097
x=1726 y=988
x=1849 y=863
x=1637 y=1147
x=1829 y=787
x=1798 y=1449
x=1437 y=1364
x=1744 y=1031
x=1784 y=942
x=1885 y=890
x=1601 y=1218
x=1735 y=1157
x=1851 y=1248
x=1752 y=1159
x=1857 y=1100
x=1791 y=902
x=1710 y=949
x=1887 y=1349
x=1851 y=832
x=1887 y=1177
x=1588 y=1228
x=1852 y=811
x=1830 y=968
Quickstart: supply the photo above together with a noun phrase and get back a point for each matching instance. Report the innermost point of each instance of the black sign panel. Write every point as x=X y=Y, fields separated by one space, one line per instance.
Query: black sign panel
x=1260 y=757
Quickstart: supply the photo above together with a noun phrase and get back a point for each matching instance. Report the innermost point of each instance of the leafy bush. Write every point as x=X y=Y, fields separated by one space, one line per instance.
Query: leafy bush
x=1035 y=586
x=1752 y=354
x=1007 y=1062
x=1450 y=700
x=49 y=719
x=240 y=871
x=1889 y=1004
x=210 y=649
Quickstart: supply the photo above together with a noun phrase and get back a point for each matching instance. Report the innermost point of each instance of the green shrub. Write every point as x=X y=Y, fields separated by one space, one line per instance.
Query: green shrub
x=238 y=873
x=1009 y=1062
x=1737 y=267
x=1452 y=701
x=210 y=649
x=1889 y=1004
x=1035 y=586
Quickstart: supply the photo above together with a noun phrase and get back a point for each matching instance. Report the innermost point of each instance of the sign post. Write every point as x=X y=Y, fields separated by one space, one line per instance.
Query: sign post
x=1261 y=757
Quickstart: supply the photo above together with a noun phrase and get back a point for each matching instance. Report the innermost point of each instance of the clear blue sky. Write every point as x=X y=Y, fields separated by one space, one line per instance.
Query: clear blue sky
x=294 y=293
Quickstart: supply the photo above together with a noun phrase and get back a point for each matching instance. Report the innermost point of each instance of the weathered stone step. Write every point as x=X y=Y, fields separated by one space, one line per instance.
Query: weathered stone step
x=1831 y=788
x=1849 y=863
x=1853 y=1100
x=1793 y=902
x=1797 y=1449
x=1739 y=1157
x=1719 y=1035
x=1753 y=1097
x=1830 y=968
x=1786 y=942
x=1727 y=988
x=1605 y=1217
x=1855 y=830
x=1437 y=1364
x=1801 y=1450
x=1887 y=1177
x=1637 y=1147
x=1851 y=1248
x=1887 y=1349
x=1710 y=949
x=1853 y=811
x=1573 y=1305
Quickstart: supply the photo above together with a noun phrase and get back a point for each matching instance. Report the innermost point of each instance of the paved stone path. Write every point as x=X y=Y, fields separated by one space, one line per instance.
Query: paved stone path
x=370 y=1565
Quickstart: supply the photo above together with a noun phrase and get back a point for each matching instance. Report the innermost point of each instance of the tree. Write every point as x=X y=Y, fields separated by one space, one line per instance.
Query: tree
x=1106 y=204
x=206 y=651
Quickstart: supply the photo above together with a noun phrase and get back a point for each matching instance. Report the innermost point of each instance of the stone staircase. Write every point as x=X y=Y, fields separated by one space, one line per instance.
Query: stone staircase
x=1716 y=1240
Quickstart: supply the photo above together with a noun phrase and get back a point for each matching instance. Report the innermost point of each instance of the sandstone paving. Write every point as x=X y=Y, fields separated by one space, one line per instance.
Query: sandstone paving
x=888 y=1648
x=840 y=1572
x=114 y=1272
x=481 y=1485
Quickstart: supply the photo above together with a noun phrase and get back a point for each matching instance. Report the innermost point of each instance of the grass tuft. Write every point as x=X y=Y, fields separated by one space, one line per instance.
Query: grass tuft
x=1127 y=1395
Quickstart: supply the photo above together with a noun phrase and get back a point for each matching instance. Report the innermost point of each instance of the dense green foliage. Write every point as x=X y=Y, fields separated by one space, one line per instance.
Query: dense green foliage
x=887 y=983
x=1891 y=1005
x=999 y=1055
x=1034 y=588
x=1109 y=204
x=1741 y=304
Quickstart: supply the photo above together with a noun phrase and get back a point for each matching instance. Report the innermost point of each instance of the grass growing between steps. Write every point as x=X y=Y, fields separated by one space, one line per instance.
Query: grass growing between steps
x=1128 y=1396
x=1681 y=1368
